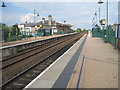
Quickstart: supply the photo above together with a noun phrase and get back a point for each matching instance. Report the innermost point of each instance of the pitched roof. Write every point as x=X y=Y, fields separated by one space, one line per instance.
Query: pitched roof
x=46 y=24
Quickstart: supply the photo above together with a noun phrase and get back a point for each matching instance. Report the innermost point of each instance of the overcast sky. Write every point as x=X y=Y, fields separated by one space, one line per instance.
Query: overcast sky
x=79 y=14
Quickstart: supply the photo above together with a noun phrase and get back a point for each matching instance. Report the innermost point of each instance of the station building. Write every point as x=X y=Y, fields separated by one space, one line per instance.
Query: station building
x=45 y=27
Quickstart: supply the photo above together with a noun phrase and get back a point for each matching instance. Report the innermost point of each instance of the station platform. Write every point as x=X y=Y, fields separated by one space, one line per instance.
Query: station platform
x=29 y=39
x=100 y=66
x=89 y=63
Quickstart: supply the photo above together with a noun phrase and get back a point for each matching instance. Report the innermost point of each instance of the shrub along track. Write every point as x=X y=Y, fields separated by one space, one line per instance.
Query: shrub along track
x=24 y=70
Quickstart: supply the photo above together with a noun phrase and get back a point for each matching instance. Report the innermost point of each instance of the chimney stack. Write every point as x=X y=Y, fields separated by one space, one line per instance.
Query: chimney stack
x=55 y=23
x=64 y=22
x=50 y=20
x=43 y=20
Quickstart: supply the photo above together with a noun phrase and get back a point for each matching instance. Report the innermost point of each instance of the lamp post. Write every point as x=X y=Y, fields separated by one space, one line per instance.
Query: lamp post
x=34 y=20
x=35 y=14
x=3 y=4
x=107 y=20
x=93 y=21
x=96 y=17
x=100 y=2
x=2 y=36
x=107 y=13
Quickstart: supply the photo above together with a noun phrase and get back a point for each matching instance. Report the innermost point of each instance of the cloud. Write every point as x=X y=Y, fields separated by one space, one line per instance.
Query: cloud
x=77 y=14
x=28 y=17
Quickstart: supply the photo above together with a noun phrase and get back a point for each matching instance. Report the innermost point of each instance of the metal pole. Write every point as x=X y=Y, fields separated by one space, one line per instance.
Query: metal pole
x=34 y=15
x=99 y=16
x=96 y=17
x=119 y=12
x=107 y=13
x=107 y=38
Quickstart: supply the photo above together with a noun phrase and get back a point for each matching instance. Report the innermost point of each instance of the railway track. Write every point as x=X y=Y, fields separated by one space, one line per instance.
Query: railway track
x=28 y=53
x=29 y=50
x=21 y=79
x=15 y=67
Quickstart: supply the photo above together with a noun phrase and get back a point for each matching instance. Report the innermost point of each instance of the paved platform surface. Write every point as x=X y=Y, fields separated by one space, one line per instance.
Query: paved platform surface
x=100 y=67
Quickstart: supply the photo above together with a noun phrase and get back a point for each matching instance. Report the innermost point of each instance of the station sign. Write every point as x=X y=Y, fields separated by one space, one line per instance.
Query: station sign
x=103 y=21
x=41 y=26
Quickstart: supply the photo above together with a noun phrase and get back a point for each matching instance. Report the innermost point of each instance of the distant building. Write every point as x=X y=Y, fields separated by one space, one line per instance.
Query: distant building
x=45 y=27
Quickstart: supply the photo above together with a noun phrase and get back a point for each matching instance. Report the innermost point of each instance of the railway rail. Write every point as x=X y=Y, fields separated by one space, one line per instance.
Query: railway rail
x=28 y=53
x=25 y=60
x=24 y=76
x=34 y=44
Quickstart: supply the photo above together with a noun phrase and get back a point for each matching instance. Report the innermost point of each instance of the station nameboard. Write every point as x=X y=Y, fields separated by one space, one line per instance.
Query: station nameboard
x=41 y=26
x=103 y=22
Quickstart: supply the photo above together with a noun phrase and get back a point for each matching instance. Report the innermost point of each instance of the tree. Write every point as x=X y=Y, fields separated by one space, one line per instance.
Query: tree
x=84 y=30
x=15 y=30
x=5 y=31
x=79 y=29
x=10 y=33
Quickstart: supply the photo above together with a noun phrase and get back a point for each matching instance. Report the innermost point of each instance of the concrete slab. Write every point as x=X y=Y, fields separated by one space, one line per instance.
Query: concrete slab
x=48 y=78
